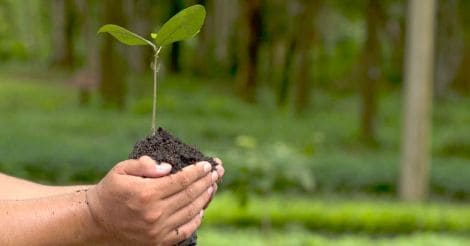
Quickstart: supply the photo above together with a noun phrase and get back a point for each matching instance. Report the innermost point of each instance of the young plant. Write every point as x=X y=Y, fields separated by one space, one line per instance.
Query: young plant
x=184 y=25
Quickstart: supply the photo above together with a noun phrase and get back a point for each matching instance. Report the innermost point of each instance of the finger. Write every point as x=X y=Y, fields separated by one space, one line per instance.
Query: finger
x=184 y=231
x=144 y=167
x=179 y=181
x=189 y=211
x=212 y=196
x=217 y=160
x=188 y=195
x=219 y=167
x=221 y=171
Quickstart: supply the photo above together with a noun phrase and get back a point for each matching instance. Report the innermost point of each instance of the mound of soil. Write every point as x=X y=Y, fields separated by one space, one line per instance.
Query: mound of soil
x=163 y=147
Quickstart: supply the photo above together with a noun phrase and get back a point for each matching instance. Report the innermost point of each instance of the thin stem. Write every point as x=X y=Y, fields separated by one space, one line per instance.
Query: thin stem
x=155 y=70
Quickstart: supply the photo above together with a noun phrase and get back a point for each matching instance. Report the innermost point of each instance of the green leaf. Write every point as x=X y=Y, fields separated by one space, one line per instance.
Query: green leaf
x=124 y=36
x=153 y=35
x=185 y=24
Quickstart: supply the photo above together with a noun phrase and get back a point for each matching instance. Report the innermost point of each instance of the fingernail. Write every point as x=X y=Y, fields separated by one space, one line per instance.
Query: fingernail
x=210 y=190
x=201 y=213
x=217 y=160
x=206 y=165
x=215 y=176
x=163 y=167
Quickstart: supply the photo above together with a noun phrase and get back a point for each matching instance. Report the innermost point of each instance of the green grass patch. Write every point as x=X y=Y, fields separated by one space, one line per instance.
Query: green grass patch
x=46 y=136
x=211 y=236
x=382 y=217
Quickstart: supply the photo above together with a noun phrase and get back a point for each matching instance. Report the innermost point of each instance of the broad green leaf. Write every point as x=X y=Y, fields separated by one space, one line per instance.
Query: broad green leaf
x=124 y=36
x=185 y=24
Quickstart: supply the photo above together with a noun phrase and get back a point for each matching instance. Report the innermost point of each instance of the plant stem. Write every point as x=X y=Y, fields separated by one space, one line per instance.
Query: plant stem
x=155 y=70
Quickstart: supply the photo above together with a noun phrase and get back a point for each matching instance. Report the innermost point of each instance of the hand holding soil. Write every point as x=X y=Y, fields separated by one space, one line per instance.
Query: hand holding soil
x=161 y=146
x=137 y=204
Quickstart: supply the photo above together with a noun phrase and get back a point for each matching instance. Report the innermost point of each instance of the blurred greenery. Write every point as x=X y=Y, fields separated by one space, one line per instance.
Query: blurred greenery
x=320 y=149
x=213 y=236
x=333 y=214
x=277 y=89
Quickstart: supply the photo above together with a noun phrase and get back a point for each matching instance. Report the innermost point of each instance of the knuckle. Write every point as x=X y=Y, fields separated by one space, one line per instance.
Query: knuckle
x=151 y=217
x=141 y=165
x=118 y=167
x=185 y=233
x=192 y=211
x=205 y=199
x=171 y=180
x=208 y=180
x=189 y=192
x=197 y=221
x=184 y=180
x=145 y=196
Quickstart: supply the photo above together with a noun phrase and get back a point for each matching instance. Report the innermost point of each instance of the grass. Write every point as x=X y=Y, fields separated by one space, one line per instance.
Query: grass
x=211 y=236
x=337 y=215
x=46 y=136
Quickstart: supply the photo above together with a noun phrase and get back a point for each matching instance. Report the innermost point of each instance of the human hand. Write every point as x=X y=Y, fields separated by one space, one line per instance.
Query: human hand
x=220 y=171
x=156 y=210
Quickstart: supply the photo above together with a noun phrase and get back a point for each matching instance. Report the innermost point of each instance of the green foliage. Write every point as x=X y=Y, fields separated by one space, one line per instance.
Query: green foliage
x=123 y=35
x=261 y=154
x=185 y=24
x=339 y=216
x=212 y=236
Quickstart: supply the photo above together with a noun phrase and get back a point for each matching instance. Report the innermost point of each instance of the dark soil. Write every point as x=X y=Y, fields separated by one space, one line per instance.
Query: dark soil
x=163 y=147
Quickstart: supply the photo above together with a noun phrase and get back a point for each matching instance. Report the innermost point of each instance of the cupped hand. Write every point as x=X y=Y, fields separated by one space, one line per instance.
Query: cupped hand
x=220 y=172
x=138 y=203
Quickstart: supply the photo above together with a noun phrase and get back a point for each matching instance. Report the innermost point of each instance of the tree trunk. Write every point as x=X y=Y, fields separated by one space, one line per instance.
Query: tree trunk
x=112 y=65
x=140 y=19
x=63 y=17
x=248 y=55
x=449 y=46
x=305 y=38
x=417 y=100
x=283 y=91
x=176 y=6
x=371 y=72
x=462 y=81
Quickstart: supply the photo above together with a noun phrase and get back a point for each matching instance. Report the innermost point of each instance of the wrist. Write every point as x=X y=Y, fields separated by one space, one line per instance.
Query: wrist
x=93 y=231
x=98 y=234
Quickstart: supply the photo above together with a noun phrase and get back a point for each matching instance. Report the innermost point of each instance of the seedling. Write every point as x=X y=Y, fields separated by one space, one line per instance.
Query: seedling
x=184 y=25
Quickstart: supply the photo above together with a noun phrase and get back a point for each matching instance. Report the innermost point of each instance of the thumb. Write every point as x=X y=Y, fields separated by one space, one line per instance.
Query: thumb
x=146 y=167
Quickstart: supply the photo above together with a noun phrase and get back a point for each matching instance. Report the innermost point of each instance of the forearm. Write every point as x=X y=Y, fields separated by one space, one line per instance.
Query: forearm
x=12 y=188
x=63 y=219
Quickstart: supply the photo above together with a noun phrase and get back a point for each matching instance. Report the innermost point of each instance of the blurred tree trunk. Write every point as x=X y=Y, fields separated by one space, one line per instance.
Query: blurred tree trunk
x=394 y=29
x=305 y=39
x=63 y=18
x=175 y=67
x=449 y=46
x=215 y=53
x=87 y=78
x=249 y=36
x=279 y=31
x=371 y=71
x=112 y=65
x=285 y=79
x=139 y=14
x=414 y=178
x=462 y=81
x=201 y=57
